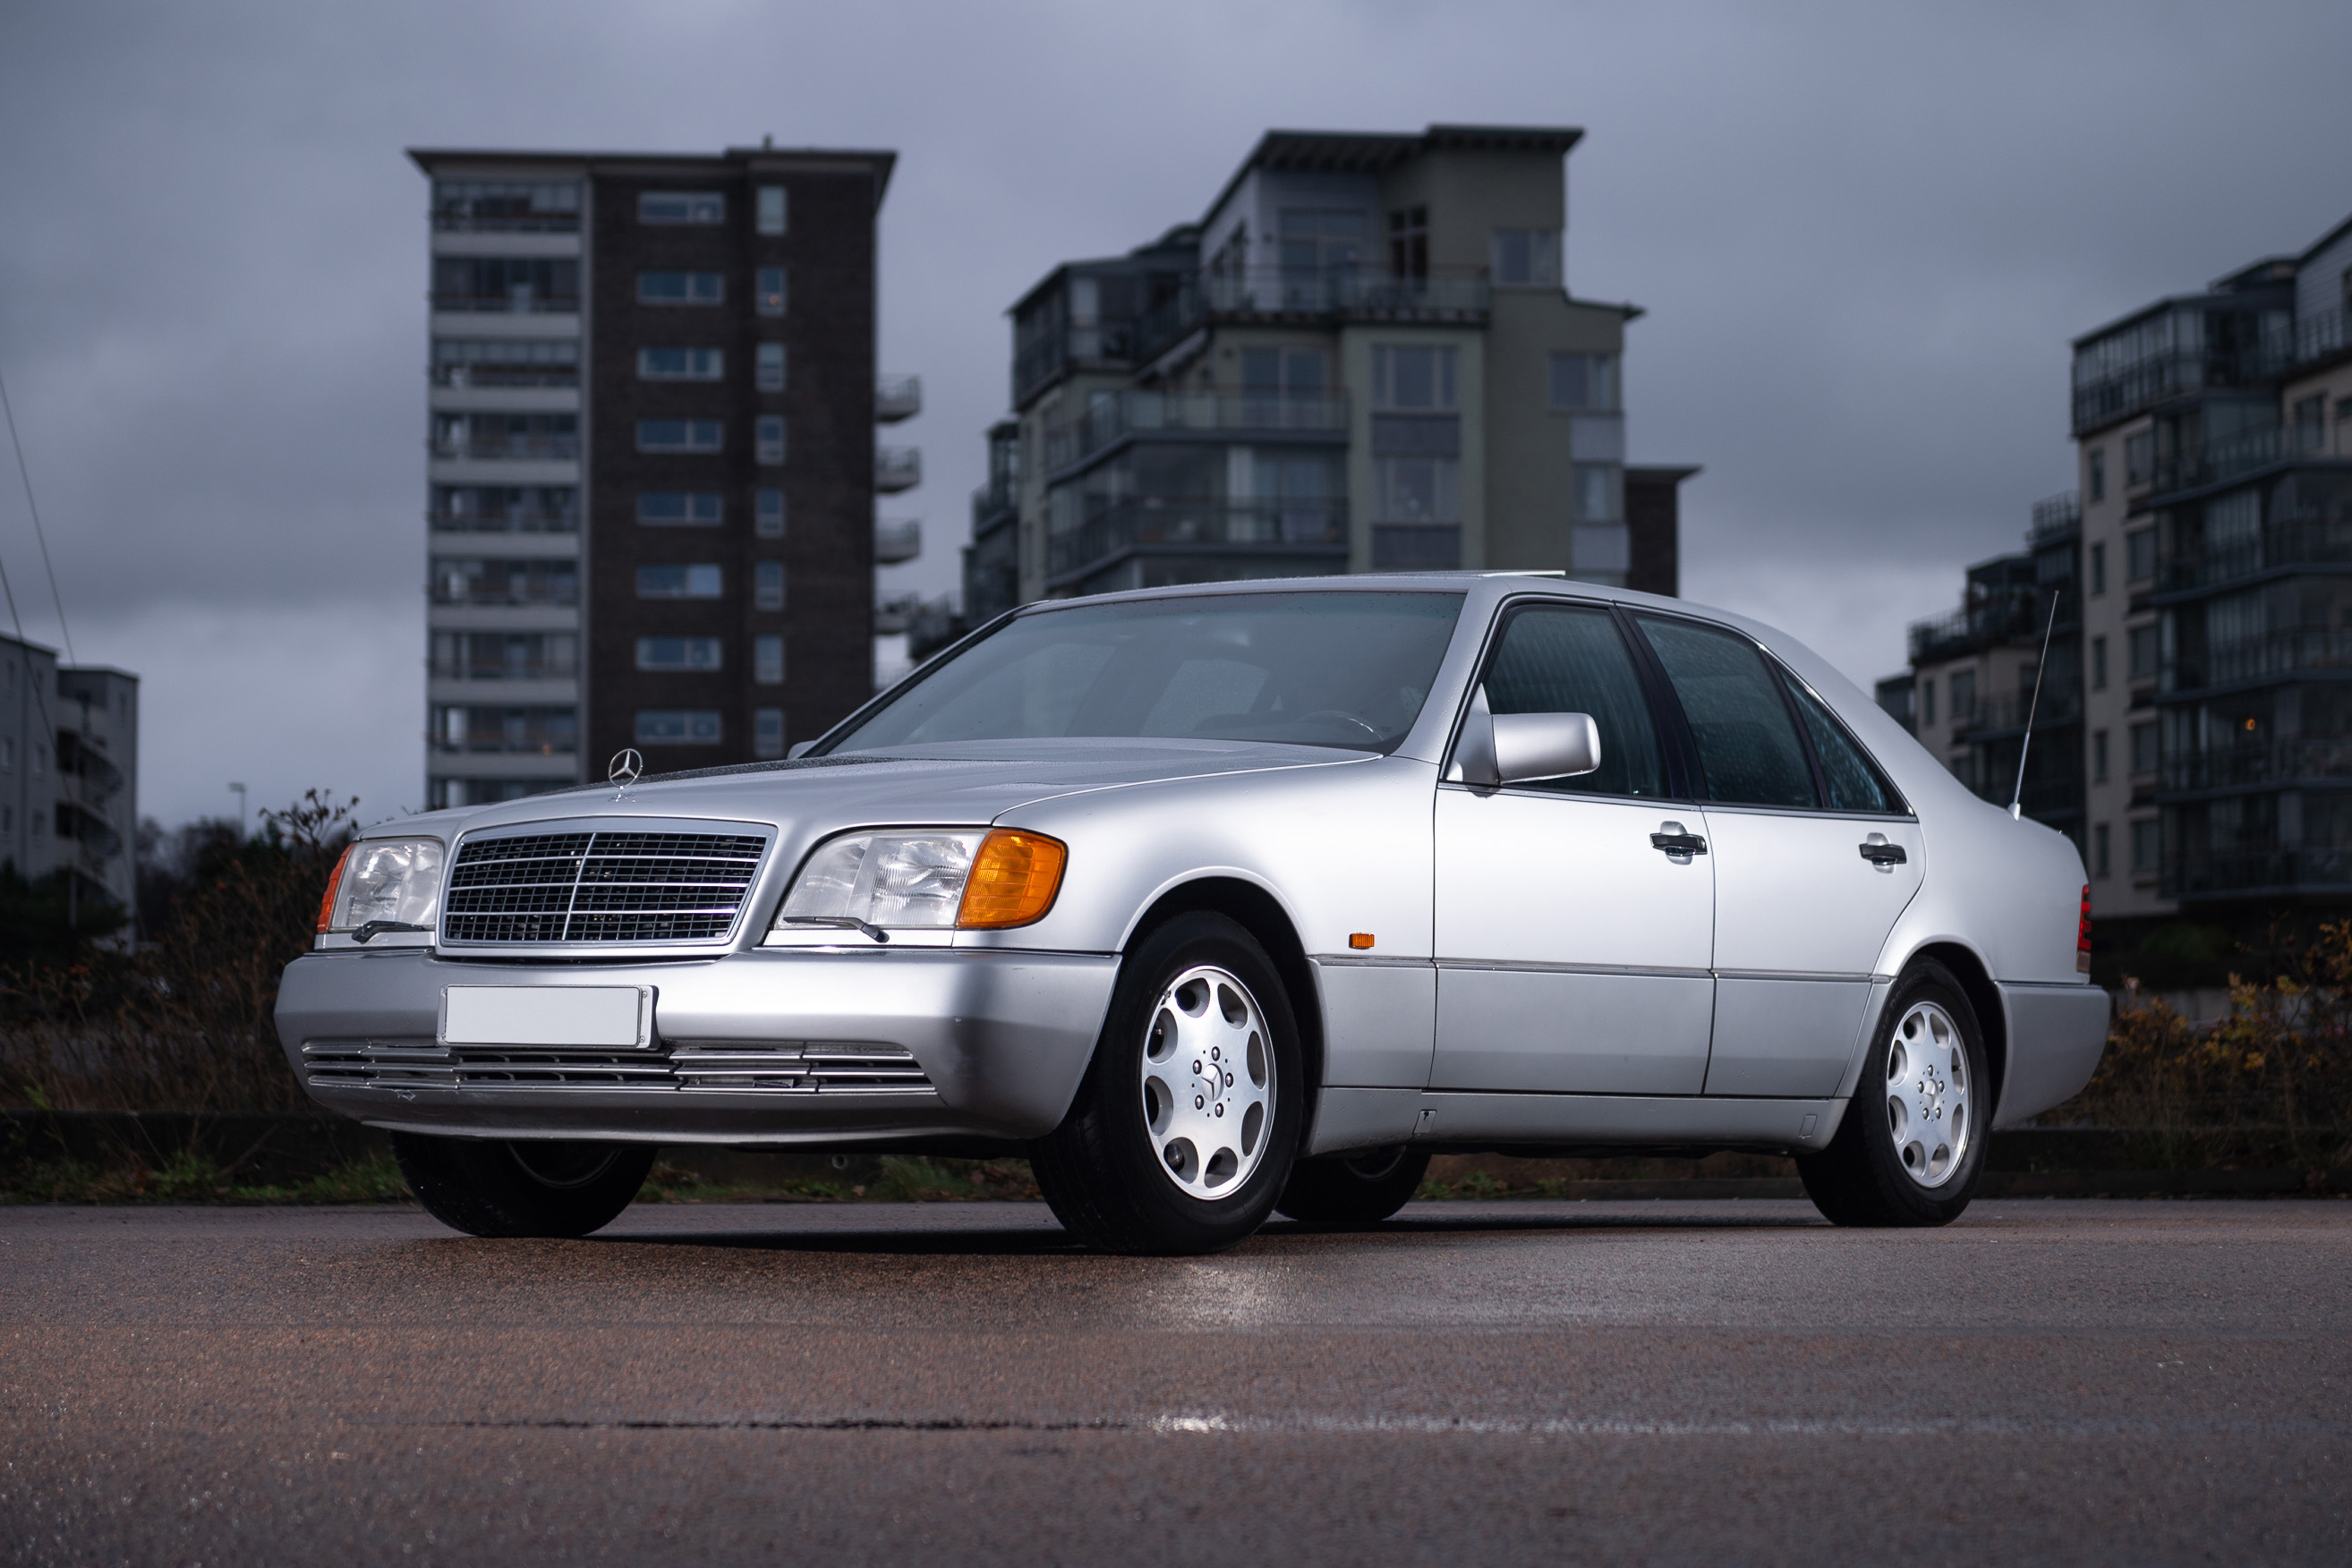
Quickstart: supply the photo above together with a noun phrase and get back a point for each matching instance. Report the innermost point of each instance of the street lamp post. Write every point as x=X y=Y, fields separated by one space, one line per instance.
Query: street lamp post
x=238 y=790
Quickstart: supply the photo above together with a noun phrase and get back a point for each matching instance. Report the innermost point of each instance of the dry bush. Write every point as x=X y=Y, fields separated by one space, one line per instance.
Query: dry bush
x=184 y=1023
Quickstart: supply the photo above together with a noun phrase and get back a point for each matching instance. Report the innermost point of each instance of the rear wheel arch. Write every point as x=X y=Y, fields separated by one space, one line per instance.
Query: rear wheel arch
x=1992 y=1017
x=1260 y=913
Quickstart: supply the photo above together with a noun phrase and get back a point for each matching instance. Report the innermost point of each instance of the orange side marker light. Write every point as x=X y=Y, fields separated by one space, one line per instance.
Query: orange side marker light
x=1361 y=939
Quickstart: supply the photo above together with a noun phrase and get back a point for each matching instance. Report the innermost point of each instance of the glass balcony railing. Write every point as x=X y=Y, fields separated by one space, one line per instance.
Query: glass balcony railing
x=2008 y=710
x=2251 y=767
x=513 y=302
x=2294 y=544
x=897 y=540
x=506 y=447
x=1348 y=292
x=1260 y=527
x=502 y=669
x=1109 y=418
x=898 y=469
x=2260 y=658
x=2295 y=868
x=503 y=523
x=898 y=397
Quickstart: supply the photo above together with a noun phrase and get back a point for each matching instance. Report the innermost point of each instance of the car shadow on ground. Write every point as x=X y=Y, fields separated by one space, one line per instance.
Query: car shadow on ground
x=1044 y=1241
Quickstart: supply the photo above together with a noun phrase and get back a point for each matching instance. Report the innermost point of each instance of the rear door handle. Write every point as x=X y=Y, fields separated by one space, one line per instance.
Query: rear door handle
x=1672 y=839
x=1881 y=854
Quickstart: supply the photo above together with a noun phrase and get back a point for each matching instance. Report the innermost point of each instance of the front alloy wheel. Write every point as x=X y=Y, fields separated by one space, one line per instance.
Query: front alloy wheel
x=1182 y=1136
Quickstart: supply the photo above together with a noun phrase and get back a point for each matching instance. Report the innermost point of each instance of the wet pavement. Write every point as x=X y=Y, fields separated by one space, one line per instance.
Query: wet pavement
x=1721 y=1382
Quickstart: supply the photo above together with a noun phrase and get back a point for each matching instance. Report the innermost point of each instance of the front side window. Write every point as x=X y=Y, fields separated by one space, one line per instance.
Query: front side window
x=680 y=508
x=696 y=581
x=772 y=210
x=680 y=434
x=1748 y=752
x=681 y=206
x=677 y=653
x=1584 y=383
x=1341 y=668
x=677 y=727
x=1566 y=659
x=680 y=364
x=680 y=287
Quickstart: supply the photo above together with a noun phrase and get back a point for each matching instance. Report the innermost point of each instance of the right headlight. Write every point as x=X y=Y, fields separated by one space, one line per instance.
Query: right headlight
x=391 y=880
x=971 y=878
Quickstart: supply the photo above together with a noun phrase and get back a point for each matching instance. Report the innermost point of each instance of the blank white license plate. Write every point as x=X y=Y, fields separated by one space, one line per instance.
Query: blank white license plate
x=616 y=1017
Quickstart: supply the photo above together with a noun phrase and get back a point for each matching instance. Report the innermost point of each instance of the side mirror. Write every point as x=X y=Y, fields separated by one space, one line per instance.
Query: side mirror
x=1516 y=748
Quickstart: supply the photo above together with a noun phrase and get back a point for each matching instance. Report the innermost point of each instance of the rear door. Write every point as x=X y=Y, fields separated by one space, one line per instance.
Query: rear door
x=1571 y=948
x=1814 y=860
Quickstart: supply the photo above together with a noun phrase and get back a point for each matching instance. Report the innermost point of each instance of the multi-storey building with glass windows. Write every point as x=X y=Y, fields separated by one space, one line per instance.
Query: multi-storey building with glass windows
x=1361 y=358
x=69 y=771
x=652 y=464
x=2212 y=550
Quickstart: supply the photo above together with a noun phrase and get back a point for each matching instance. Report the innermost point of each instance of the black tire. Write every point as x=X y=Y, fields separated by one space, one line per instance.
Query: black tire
x=1361 y=1188
x=1101 y=1169
x=534 y=1187
x=1861 y=1178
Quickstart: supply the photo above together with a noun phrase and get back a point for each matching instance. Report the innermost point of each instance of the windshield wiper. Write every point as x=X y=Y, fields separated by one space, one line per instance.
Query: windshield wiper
x=838 y=923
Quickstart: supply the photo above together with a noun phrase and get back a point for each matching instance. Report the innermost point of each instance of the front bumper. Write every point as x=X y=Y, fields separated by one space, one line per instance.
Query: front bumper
x=763 y=1047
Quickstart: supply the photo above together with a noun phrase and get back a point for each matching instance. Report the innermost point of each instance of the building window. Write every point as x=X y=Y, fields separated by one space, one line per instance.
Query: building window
x=2144 y=848
x=677 y=653
x=681 y=206
x=773 y=212
x=7 y=819
x=768 y=367
x=1583 y=382
x=1408 y=243
x=2097 y=481
x=2139 y=556
x=768 y=585
x=768 y=438
x=1416 y=547
x=2098 y=568
x=767 y=292
x=768 y=514
x=1964 y=696
x=2098 y=757
x=2143 y=653
x=1415 y=378
x=680 y=434
x=680 y=364
x=2099 y=850
x=699 y=581
x=1926 y=703
x=680 y=287
x=1526 y=257
x=767 y=731
x=2140 y=459
x=506 y=361
x=677 y=727
x=8 y=748
x=502 y=285
x=768 y=660
x=1596 y=488
x=680 y=508
x=2144 y=750
x=1417 y=489
x=2310 y=423
x=2098 y=664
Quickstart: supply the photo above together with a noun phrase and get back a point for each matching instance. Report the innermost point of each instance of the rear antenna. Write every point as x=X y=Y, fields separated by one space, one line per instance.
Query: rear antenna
x=2017 y=801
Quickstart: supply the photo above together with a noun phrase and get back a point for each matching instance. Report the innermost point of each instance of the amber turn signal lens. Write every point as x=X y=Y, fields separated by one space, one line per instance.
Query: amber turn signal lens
x=334 y=880
x=1360 y=938
x=1014 y=879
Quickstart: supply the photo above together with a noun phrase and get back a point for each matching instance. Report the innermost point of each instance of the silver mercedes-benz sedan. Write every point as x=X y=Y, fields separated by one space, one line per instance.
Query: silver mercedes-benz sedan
x=1216 y=900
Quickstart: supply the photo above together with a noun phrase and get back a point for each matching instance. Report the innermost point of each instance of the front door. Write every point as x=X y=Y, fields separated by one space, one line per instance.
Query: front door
x=1572 y=950
x=1814 y=860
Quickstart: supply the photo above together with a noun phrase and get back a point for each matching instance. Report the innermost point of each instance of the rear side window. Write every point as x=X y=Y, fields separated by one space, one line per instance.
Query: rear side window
x=1560 y=659
x=1748 y=752
x=1854 y=784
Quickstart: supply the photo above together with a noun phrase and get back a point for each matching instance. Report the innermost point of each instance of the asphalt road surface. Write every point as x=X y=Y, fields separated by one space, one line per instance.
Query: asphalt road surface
x=1725 y=1382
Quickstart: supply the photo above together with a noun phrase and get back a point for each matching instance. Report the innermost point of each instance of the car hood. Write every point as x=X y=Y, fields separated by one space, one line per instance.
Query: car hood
x=972 y=781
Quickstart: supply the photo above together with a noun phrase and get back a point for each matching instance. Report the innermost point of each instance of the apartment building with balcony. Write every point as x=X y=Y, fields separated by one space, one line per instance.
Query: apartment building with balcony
x=1362 y=357
x=1980 y=683
x=2214 y=439
x=68 y=769
x=652 y=460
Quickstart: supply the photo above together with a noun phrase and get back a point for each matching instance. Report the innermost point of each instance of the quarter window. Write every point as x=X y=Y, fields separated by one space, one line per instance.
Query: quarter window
x=1747 y=748
x=1854 y=784
x=1569 y=660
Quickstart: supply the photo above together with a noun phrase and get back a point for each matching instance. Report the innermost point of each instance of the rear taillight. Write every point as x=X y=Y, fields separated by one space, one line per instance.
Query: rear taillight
x=2083 y=935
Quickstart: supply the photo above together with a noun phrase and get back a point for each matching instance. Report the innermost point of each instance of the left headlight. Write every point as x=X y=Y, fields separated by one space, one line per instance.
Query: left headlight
x=394 y=880
x=971 y=878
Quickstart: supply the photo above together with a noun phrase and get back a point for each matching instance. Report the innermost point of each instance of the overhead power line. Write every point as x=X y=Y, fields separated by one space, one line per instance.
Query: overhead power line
x=26 y=474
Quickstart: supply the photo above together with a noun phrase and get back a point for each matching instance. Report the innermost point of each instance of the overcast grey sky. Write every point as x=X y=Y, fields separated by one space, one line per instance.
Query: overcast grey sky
x=1864 y=235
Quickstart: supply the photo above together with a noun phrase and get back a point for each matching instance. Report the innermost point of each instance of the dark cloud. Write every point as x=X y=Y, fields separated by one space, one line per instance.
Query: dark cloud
x=1862 y=233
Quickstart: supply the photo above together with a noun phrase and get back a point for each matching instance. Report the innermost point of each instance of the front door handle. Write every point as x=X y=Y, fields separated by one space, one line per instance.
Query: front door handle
x=1674 y=840
x=1881 y=854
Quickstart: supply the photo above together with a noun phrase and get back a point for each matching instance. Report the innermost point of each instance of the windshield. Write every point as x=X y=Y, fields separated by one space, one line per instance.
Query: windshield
x=1325 y=669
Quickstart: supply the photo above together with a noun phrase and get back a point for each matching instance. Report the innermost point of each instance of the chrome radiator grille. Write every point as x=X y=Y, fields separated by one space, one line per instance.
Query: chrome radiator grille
x=810 y=1069
x=599 y=886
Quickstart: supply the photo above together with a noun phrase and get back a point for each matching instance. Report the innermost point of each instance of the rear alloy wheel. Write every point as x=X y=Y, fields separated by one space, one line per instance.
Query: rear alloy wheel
x=1912 y=1144
x=1182 y=1136
x=1361 y=1188
x=543 y=1187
